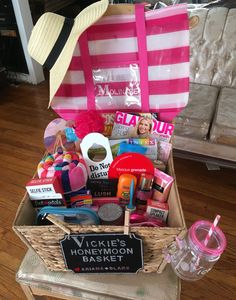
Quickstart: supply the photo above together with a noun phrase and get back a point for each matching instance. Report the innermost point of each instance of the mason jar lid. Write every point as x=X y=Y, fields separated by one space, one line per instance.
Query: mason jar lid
x=197 y=234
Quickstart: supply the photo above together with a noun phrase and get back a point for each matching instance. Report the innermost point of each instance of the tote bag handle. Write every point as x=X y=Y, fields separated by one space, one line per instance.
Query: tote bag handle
x=142 y=51
x=142 y=54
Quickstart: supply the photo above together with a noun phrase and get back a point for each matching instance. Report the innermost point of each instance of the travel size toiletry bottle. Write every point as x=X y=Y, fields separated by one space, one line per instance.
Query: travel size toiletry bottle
x=144 y=190
x=123 y=189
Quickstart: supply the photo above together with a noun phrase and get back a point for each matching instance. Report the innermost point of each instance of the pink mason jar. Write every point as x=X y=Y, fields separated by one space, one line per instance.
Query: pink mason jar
x=192 y=259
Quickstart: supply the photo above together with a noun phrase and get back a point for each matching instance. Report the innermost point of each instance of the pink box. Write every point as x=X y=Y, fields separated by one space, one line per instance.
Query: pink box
x=157 y=209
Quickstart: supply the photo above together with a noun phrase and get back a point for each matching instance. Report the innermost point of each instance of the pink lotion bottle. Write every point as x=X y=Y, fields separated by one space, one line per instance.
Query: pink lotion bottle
x=144 y=191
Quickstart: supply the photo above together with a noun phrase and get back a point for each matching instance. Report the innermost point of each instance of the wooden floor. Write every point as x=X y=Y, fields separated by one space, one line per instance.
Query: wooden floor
x=23 y=118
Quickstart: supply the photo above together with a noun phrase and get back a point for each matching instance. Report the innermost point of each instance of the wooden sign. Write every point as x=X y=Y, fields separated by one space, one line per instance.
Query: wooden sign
x=103 y=253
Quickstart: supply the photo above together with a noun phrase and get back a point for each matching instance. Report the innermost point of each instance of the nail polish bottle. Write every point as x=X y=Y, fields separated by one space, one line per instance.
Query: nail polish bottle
x=144 y=191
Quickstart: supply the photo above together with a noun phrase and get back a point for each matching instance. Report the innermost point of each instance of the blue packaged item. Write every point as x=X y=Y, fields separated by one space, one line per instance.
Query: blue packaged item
x=77 y=215
x=125 y=148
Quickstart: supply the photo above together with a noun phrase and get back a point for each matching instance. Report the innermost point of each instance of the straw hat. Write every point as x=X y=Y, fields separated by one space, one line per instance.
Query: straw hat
x=54 y=38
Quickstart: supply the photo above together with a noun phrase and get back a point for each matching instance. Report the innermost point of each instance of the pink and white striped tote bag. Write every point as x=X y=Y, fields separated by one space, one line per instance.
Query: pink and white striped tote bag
x=132 y=63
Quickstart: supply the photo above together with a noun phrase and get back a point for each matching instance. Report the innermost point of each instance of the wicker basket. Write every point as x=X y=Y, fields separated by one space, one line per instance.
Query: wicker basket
x=44 y=240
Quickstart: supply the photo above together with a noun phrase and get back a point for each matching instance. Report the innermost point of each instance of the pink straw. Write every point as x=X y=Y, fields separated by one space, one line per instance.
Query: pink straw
x=209 y=234
x=213 y=227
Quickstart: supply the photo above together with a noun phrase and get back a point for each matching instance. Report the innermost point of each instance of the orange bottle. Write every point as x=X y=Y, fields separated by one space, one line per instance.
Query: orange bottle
x=123 y=189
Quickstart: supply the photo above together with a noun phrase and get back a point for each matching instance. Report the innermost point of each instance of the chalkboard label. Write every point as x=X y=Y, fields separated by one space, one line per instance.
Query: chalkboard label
x=103 y=253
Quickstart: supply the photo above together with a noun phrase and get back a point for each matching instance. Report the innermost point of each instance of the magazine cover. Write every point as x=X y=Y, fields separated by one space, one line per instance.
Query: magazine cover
x=140 y=126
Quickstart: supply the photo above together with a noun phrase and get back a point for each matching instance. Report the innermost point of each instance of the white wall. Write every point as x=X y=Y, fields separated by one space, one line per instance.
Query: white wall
x=25 y=25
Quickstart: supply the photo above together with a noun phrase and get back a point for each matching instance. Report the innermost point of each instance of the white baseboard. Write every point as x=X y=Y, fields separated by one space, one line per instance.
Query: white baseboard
x=20 y=77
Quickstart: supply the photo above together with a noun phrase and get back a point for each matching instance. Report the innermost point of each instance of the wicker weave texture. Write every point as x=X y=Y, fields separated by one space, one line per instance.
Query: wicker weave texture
x=45 y=241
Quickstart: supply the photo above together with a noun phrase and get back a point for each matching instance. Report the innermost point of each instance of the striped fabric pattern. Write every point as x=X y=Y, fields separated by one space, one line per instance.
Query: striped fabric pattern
x=69 y=167
x=107 y=78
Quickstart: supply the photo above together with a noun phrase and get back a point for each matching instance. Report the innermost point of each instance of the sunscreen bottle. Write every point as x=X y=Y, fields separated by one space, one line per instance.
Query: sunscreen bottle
x=123 y=189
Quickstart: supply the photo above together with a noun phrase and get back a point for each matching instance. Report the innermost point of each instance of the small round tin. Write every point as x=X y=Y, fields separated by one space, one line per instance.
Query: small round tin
x=111 y=214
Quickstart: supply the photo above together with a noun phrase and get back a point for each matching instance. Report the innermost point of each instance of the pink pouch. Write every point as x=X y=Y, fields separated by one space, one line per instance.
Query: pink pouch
x=132 y=63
